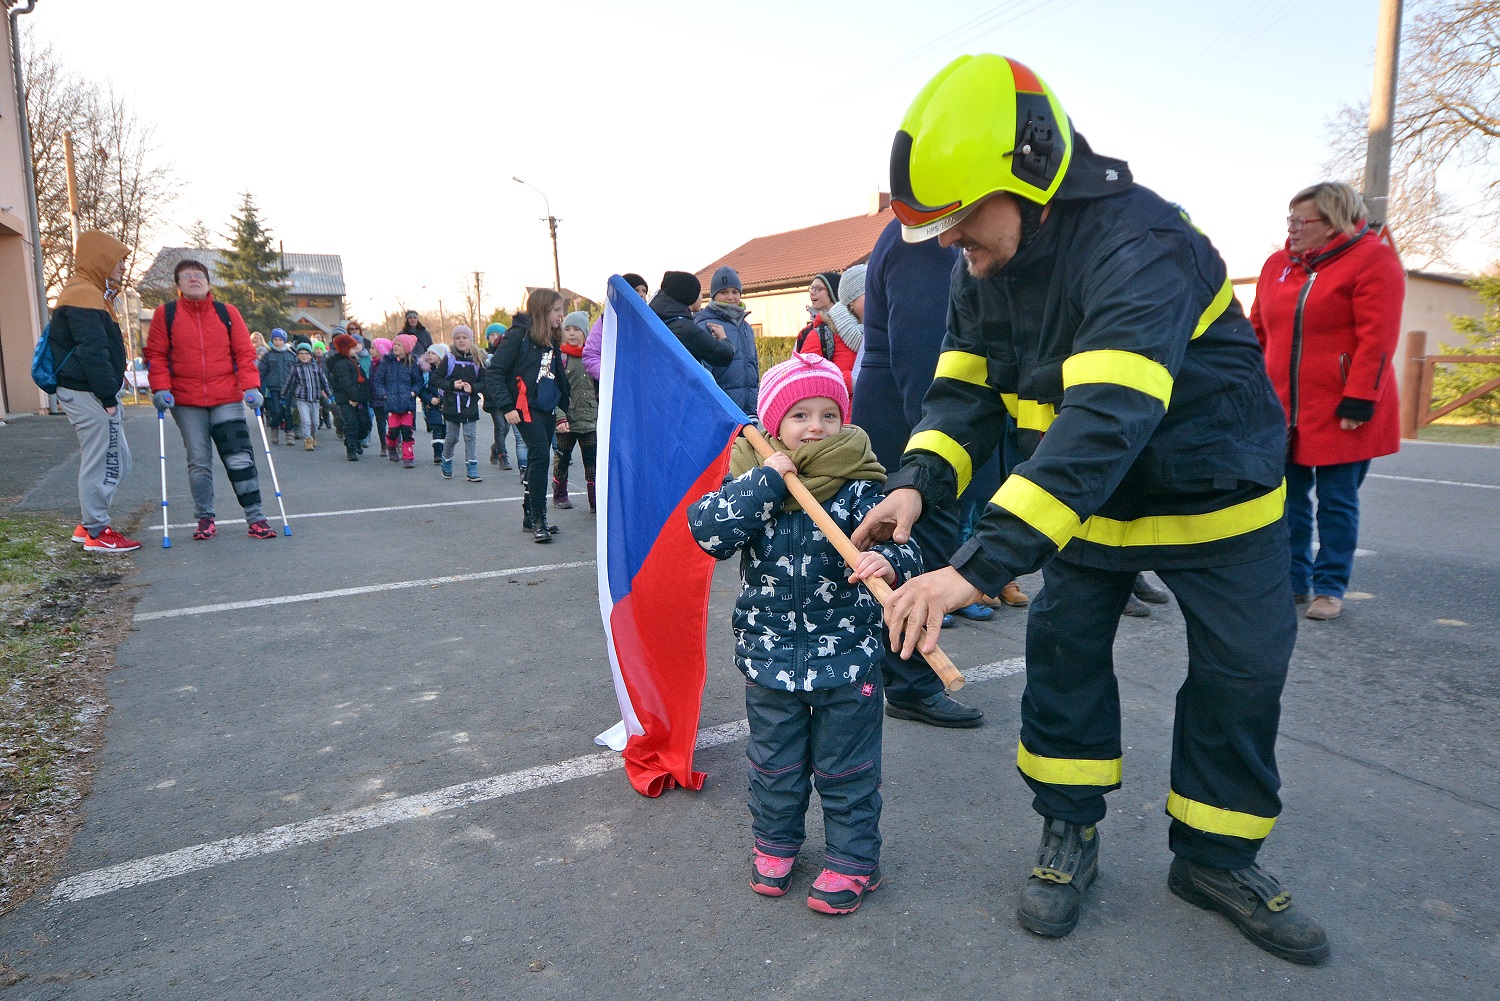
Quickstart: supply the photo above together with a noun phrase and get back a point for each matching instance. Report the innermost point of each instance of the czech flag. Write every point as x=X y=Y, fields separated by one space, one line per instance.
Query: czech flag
x=665 y=432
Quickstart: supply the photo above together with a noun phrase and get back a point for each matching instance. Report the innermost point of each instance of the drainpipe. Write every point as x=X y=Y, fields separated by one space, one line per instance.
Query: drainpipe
x=31 y=206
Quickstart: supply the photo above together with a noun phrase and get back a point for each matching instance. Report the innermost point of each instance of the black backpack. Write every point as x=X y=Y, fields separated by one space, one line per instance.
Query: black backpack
x=223 y=312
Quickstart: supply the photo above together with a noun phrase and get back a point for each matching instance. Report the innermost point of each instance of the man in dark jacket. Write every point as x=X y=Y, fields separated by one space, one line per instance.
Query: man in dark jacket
x=1091 y=309
x=679 y=297
x=740 y=379
x=88 y=353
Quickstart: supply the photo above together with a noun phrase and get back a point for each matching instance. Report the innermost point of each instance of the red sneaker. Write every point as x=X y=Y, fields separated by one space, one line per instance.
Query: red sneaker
x=837 y=893
x=261 y=530
x=110 y=542
x=80 y=535
x=206 y=529
x=771 y=875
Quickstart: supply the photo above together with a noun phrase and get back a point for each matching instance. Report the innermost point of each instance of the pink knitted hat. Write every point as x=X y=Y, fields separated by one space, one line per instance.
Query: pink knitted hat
x=382 y=346
x=800 y=377
x=407 y=341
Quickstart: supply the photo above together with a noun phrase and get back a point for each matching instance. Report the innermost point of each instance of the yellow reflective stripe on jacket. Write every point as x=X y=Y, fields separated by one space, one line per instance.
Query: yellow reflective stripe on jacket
x=1029 y=414
x=952 y=451
x=1214 y=820
x=1216 y=308
x=1119 y=368
x=1070 y=771
x=1037 y=508
x=1187 y=529
x=964 y=367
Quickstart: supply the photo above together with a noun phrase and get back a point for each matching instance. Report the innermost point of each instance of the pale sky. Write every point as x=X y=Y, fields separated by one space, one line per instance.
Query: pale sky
x=667 y=132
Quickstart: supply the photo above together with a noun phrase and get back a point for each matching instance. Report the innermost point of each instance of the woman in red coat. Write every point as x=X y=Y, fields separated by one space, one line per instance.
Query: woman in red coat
x=820 y=336
x=1328 y=314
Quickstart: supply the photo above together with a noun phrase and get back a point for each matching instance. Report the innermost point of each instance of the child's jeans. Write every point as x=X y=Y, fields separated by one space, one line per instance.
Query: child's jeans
x=398 y=434
x=829 y=737
x=470 y=432
x=307 y=411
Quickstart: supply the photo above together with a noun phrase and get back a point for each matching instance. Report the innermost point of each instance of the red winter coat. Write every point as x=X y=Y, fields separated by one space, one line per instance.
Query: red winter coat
x=815 y=335
x=201 y=369
x=1340 y=361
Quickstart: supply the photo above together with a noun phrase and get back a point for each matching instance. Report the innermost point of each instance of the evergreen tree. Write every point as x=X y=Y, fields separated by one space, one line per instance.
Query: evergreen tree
x=250 y=274
x=198 y=236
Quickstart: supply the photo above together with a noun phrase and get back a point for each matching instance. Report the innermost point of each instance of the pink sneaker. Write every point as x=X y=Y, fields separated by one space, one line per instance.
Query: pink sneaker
x=771 y=875
x=836 y=893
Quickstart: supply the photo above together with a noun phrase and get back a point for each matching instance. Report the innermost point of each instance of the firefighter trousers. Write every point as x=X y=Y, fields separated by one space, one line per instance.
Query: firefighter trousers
x=1241 y=627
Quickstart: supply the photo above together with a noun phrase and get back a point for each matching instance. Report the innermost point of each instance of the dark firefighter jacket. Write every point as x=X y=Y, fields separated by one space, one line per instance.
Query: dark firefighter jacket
x=1150 y=434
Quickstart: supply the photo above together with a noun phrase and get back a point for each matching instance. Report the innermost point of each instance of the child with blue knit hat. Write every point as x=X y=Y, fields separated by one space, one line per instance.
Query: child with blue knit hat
x=808 y=635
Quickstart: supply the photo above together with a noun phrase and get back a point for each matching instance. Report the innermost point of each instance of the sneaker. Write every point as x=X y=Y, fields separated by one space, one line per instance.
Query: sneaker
x=394 y=454
x=353 y=456
x=261 y=530
x=504 y=461
x=770 y=875
x=206 y=529
x=308 y=444
x=838 y=893
x=1255 y=903
x=409 y=463
x=110 y=542
x=1067 y=864
x=977 y=612
x=80 y=535
x=937 y=710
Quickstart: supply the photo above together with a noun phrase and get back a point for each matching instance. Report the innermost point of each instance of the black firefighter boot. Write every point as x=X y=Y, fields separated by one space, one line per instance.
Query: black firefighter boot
x=1066 y=866
x=1256 y=904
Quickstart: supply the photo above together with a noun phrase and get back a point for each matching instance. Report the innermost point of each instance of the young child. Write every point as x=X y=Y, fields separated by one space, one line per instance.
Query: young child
x=307 y=386
x=808 y=636
x=398 y=380
x=275 y=365
x=432 y=399
x=579 y=425
x=380 y=347
x=461 y=379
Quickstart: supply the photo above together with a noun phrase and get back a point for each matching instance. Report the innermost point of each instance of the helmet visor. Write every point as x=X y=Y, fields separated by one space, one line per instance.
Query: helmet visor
x=916 y=229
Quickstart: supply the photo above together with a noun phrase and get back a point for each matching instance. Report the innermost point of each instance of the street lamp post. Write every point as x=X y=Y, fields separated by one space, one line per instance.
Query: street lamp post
x=552 y=221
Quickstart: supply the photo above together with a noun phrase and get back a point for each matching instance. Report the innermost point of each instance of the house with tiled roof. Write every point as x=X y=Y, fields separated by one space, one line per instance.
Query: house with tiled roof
x=316 y=284
x=775 y=270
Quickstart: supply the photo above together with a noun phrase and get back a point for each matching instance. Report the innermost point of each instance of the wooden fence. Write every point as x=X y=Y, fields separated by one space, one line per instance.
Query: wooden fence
x=1417 y=410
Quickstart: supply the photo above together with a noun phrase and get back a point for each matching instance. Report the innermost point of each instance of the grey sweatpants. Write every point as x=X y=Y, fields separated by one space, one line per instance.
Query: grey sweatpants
x=307 y=410
x=104 y=459
x=470 y=432
x=223 y=427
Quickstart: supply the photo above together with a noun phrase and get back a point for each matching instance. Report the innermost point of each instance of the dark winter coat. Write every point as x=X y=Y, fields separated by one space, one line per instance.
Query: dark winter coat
x=798 y=622
x=275 y=365
x=347 y=379
x=1115 y=331
x=424 y=339
x=702 y=345
x=518 y=364
x=395 y=382
x=459 y=366
x=431 y=399
x=740 y=379
x=1331 y=353
x=97 y=362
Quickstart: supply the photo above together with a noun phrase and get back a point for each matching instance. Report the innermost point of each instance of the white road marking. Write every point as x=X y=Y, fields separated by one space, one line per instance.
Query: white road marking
x=1441 y=483
x=153 y=868
x=368 y=510
x=344 y=592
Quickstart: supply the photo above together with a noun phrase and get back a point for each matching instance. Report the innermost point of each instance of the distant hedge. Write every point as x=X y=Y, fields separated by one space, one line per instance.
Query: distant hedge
x=773 y=350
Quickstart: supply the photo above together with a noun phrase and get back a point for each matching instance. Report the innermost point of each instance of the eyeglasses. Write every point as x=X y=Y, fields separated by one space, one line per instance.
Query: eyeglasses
x=1297 y=222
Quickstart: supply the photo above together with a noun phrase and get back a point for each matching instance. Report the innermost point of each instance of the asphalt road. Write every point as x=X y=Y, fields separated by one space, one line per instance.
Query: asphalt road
x=319 y=743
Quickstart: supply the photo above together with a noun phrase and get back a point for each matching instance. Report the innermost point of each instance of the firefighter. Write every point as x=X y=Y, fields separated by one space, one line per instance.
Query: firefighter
x=1103 y=321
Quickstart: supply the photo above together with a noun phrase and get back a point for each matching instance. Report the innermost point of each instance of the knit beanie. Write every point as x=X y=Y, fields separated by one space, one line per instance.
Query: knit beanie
x=439 y=348
x=800 y=377
x=343 y=343
x=494 y=328
x=464 y=329
x=681 y=286
x=304 y=346
x=407 y=341
x=382 y=346
x=831 y=279
x=851 y=285
x=278 y=334
x=725 y=277
x=339 y=328
x=578 y=318
x=319 y=346
x=634 y=280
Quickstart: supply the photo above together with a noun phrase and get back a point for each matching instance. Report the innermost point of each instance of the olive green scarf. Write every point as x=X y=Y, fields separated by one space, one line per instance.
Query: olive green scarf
x=823 y=467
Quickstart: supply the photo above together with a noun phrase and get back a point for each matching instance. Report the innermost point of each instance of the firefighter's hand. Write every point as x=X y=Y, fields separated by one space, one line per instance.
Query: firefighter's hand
x=922 y=602
x=513 y=417
x=872 y=564
x=892 y=518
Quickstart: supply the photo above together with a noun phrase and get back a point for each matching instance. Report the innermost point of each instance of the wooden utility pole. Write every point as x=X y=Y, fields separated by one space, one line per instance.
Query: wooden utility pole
x=556 y=274
x=479 y=323
x=72 y=188
x=1382 y=111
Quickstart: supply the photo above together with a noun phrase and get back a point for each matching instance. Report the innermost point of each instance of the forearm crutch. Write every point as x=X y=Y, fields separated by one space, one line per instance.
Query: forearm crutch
x=161 y=438
x=265 y=441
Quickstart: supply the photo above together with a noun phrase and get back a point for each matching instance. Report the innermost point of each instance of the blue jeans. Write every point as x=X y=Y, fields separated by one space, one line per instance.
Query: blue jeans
x=1338 y=525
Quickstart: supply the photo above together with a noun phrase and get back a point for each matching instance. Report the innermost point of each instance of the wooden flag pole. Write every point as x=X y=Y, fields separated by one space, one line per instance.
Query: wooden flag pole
x=937 y=660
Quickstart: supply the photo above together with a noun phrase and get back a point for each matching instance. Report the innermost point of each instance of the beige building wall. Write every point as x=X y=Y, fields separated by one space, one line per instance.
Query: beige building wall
x=20 y=323
x=779 y=314
x=1430 y=301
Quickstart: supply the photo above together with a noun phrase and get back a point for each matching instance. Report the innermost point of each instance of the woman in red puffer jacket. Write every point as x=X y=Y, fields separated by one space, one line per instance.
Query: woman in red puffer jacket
x=1328 y=314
